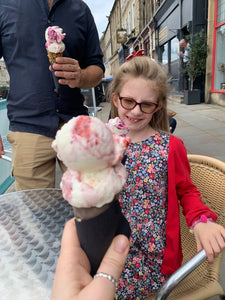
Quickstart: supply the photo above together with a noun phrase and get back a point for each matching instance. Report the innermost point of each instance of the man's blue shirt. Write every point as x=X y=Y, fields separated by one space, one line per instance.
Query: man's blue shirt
x=33 y=105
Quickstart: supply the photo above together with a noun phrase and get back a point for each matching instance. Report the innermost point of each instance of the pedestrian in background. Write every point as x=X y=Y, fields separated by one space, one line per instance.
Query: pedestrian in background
x=184 y=54
x=35 y=110
x=158 y=182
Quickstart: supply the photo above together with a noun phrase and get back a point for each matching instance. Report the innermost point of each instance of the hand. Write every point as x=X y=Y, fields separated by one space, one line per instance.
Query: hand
x=210 y=237
x=72 y=279
x=2 y=152
x=69 y=71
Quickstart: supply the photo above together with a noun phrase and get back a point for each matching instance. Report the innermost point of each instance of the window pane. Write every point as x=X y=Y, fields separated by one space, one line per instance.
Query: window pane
x=174 y=67
x=174 y=49
x=165 y=55
x=221 y=11
x=220 y=59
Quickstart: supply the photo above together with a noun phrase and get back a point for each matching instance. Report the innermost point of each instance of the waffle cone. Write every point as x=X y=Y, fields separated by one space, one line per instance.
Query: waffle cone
x=52 y=56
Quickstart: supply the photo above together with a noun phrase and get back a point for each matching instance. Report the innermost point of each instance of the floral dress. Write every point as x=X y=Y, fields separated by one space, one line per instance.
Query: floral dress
x=144 y=203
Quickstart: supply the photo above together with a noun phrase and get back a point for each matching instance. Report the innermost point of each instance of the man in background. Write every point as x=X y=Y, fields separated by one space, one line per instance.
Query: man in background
x=184 y=54
x=35 y=109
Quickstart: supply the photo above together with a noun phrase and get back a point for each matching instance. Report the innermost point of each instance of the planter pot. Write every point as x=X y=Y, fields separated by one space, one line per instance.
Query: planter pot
x=4 y=94
x=192 y=97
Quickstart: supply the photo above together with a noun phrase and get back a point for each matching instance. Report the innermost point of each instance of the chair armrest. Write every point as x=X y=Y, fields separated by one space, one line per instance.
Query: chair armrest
x=180 y=274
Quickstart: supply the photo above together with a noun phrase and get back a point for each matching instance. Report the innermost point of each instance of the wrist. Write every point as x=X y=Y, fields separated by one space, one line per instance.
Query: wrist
x=202 y=219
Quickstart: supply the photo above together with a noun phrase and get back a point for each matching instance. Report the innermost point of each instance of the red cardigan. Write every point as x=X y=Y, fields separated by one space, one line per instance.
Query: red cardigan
x=180 y=190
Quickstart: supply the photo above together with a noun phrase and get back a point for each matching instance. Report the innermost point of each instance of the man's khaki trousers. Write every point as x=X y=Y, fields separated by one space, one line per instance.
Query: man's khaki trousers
x=33 y=160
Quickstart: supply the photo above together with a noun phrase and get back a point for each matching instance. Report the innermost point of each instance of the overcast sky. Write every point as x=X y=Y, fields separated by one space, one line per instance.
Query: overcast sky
x=100 y=9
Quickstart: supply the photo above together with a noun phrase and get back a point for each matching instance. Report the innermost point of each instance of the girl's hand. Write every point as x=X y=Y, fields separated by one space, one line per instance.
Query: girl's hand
x=72 y=278
x=210 y=237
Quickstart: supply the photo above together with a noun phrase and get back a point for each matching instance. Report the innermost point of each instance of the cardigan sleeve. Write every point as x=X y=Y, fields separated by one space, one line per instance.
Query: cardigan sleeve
x=180 y=190
x=187 y=192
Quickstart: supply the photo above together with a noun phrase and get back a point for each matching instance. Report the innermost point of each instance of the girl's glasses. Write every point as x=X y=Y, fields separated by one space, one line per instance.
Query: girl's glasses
x=129 y=104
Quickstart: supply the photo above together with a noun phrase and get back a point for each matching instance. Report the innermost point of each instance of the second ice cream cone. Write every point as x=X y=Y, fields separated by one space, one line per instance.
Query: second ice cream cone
x=55 y=48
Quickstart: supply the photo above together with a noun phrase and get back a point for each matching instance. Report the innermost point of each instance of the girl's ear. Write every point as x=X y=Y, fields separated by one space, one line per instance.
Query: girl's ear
x=114 y=98
x=159 y=107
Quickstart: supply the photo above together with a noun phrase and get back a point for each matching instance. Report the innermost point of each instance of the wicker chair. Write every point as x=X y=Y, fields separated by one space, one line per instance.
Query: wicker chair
x=208 y=174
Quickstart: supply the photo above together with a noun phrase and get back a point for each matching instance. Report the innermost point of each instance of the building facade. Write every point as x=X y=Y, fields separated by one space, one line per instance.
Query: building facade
x=146 y=36
x=174 y=20
x=106 y=46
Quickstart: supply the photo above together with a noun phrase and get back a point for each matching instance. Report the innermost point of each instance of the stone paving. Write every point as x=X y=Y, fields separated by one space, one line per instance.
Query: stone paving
x=201 y=127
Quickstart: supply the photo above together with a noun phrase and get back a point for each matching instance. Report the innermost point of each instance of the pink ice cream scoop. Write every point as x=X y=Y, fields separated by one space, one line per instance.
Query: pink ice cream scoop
x=54 y=39
x=92 y=154
x=93 y=189
x=118 y=127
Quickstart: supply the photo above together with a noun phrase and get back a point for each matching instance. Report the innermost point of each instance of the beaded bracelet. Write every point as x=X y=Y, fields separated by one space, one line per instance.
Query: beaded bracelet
x=202 y=219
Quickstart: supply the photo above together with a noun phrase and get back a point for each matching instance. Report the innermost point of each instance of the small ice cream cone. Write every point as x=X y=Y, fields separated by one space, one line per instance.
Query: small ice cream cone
x=55 y=48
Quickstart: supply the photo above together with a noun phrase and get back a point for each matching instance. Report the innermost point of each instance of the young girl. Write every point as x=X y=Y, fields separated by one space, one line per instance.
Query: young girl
x=158 y=180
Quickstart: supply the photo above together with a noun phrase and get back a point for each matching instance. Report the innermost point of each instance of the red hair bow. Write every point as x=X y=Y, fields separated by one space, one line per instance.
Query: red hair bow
x=133 y=54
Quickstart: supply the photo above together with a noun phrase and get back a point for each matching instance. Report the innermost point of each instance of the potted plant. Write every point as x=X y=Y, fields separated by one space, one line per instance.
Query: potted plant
x=221 y=68
x=4 y=92
x=196 y=63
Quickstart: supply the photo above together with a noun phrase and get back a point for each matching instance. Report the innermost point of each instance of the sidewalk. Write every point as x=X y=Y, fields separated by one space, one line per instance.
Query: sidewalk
x=201 y=127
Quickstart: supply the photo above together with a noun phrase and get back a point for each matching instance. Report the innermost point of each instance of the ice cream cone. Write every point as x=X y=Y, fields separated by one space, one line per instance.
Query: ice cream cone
x=52 y=56
x=55 y=48
x=92 y=153
x=96 y=234
x=52 y=59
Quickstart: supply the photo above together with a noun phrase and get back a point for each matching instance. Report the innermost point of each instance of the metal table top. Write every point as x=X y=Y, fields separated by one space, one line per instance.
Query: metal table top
x=31 y=226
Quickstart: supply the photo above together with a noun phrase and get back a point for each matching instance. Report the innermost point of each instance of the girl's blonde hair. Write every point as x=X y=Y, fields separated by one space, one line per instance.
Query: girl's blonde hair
x=144 y=67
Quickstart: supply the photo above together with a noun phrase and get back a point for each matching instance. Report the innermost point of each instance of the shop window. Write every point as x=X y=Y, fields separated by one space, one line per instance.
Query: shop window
x=219 y=48
x=129 y=21
x=175 y=48
x=133 y=15
x=219 y=83
x=165 y=54
x=147 y=46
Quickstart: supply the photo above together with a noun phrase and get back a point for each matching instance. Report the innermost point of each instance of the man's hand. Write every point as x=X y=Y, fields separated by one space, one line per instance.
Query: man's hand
x=69 y=72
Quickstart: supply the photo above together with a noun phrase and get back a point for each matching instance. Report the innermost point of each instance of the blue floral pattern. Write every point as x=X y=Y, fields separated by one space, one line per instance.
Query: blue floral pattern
x=144 y=203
